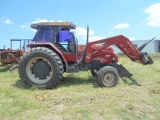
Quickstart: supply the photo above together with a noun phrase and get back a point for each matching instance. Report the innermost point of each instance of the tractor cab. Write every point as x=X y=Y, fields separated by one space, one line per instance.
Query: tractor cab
x=57 y=33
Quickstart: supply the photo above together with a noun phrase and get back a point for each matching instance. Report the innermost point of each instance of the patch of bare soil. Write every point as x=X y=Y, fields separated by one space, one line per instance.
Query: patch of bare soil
x=158 y=82
x=50 y=117
x=155 y=91
x=44 y=97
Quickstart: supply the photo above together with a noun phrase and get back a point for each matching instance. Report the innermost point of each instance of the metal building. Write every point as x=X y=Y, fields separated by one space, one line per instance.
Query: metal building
x=152 y=47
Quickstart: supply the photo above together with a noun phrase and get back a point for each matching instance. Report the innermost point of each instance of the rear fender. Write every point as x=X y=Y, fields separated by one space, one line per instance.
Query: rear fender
x=52 y=47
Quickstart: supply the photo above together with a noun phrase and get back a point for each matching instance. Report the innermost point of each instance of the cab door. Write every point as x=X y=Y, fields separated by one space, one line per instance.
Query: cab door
x=68 y=43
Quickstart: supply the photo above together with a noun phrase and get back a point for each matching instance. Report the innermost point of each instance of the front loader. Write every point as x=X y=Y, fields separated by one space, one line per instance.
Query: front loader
x=55 y=50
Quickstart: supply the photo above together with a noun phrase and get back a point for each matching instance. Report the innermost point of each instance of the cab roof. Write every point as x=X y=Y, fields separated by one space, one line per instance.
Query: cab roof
x=69 y=25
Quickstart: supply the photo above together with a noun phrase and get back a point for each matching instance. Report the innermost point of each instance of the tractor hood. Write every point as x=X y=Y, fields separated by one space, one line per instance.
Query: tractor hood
x=95 y=48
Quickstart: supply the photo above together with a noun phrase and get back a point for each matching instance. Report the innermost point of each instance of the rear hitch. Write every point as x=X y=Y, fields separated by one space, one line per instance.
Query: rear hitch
x=14 y=67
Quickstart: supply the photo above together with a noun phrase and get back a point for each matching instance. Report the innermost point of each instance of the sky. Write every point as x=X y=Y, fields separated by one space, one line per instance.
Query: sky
x=135 y=19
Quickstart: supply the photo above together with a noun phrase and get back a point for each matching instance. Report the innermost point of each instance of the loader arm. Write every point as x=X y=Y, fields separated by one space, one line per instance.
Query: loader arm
x=124 y=44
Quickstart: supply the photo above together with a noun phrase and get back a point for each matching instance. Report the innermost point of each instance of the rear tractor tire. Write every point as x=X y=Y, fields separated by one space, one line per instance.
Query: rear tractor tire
x=107 y=77
x=40 y=67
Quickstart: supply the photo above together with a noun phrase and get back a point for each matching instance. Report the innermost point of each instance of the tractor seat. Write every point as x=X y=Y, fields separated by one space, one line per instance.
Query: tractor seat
x=71 y=47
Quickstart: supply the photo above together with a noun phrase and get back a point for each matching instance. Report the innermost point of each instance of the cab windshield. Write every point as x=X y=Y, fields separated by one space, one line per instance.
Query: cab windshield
x=43 y=35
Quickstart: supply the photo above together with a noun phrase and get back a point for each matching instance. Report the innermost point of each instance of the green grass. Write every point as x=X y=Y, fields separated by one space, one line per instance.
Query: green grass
x=78 y=97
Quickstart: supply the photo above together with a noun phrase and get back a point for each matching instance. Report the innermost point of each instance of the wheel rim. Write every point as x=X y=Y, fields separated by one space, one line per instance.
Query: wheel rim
x=39 y=70
x=109 y=78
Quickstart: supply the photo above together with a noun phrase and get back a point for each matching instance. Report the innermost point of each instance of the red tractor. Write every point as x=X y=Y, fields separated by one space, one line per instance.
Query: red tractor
x=55 y=50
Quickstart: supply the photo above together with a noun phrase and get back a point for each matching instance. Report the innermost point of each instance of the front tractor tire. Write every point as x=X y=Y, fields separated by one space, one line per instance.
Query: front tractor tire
x=40 y=67
x=107 y=77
